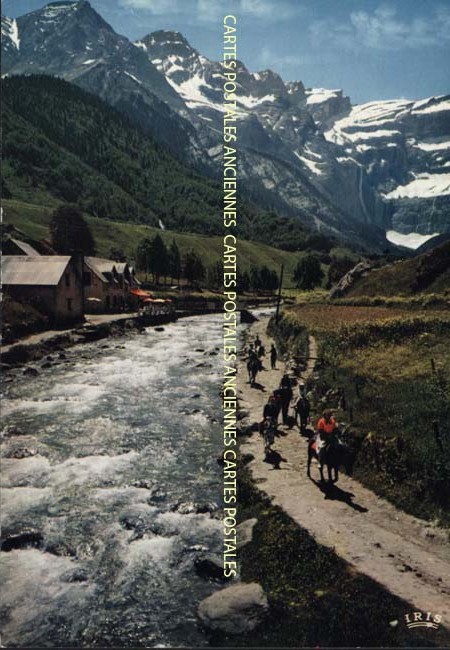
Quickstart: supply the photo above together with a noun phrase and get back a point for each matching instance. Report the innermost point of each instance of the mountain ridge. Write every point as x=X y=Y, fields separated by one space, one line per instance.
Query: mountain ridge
x=293 y=156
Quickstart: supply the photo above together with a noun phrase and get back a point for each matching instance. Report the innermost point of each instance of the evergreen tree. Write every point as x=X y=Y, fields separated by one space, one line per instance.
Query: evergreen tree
x=143 y=255
x=308 y=273
x=243 y=282
x=175 y=262
x=194 y=271
x=117 y=254
x=268 y=279
x=158 y=259
x=215 y=275
x=69 y=231
x=255 y=278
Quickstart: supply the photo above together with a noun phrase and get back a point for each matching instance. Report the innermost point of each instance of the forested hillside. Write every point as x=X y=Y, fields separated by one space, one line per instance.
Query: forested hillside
x=61 y=143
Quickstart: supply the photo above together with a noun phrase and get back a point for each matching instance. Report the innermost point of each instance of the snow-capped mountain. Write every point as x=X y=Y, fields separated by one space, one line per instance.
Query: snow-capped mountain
x=404 y=146
x=283 y=155
x=352 y=171
x=71 y=40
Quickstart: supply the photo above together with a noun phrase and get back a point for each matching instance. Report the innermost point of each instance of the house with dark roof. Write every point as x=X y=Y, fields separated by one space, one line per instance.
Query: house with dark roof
x=13 y=246
x=107 y=284
x=50 y=283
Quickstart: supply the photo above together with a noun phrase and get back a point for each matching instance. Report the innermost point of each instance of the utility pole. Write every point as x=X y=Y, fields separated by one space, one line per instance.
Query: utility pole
x=277 y=316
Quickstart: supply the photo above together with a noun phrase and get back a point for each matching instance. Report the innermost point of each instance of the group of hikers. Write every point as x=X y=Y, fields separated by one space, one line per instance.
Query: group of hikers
x=280 y=401
x=255 y=353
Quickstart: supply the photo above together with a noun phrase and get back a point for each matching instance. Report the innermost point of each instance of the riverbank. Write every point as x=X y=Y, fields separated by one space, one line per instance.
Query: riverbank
x=323 y=557
x=37 y=346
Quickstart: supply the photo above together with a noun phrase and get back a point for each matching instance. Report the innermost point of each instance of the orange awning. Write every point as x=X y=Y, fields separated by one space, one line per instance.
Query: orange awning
x=140 y=293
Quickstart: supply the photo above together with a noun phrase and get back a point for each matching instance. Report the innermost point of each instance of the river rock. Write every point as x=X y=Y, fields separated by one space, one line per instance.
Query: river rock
x=143 y=483
x=244 y=532
x=210 y=567
x=60 y=548
x=23 y=539
x=31 y=372
x=21 y=452
x=235 y=610
x=12 y=430
x=159 y=329
x=76 y=575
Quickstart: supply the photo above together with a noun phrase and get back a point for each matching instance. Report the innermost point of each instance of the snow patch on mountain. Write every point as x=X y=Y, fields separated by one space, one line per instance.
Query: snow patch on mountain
x=431 y=146
x=319 y=95
x=413 y=240
x=251 y=102
x=310 y=164
x=133 y=77
x=433 y=106
x=55 y=9
x=10 y=30
x=141 y=45
x=423 y=186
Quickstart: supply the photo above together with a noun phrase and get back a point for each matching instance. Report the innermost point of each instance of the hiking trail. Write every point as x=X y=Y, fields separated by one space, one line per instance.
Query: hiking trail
x=407 y=555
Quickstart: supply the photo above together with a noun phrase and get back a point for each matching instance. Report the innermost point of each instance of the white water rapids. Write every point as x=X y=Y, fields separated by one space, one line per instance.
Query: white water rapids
x=119 y=435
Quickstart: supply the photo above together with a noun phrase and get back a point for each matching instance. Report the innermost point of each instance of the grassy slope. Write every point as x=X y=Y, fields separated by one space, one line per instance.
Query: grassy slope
x=397 y=279
x=381 y=358
x=34 y=221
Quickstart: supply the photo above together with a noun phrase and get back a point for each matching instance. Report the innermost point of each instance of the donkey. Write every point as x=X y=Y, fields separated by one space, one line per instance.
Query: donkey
x=333 y=455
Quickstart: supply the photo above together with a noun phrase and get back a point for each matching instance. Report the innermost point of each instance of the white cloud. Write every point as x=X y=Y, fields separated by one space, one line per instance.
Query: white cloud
x=156 y=7
x=384 y=29
x=213 y=10
x=270 y=58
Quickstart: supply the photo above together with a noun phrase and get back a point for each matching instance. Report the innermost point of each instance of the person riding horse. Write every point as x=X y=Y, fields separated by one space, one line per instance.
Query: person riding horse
x=327 y=428
x=328 y=449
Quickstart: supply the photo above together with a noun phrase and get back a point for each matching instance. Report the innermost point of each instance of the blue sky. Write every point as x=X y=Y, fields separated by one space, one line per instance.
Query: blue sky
x=373 y=49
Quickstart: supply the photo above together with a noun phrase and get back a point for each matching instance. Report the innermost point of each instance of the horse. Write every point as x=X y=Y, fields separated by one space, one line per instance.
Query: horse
x=253 y=367
x=333 y=455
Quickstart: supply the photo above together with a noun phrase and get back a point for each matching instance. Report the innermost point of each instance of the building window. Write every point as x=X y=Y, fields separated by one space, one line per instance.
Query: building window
x=67 y=280
x=69 y=304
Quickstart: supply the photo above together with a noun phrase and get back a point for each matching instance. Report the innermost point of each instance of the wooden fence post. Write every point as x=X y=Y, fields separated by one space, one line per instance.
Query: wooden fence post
x=437 y=435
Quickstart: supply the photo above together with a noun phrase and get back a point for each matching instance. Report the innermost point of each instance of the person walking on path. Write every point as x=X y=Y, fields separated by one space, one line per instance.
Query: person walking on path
x=302 y=390
x=273 y=357
x=286 y=397
x=302 y=411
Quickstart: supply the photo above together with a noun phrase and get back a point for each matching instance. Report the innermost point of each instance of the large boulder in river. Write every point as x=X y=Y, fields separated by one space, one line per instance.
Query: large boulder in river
x=236 y=610
x=244 y=532
x=210 y=567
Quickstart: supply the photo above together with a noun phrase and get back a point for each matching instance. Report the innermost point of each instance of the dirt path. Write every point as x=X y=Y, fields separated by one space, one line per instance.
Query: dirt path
x=407 y=555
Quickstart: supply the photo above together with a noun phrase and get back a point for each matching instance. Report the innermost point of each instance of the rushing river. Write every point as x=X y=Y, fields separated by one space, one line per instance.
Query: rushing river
x=120 y=491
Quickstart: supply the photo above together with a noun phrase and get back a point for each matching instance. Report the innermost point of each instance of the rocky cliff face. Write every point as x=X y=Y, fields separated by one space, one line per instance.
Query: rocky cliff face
x=354 y=172
x=404 y=147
